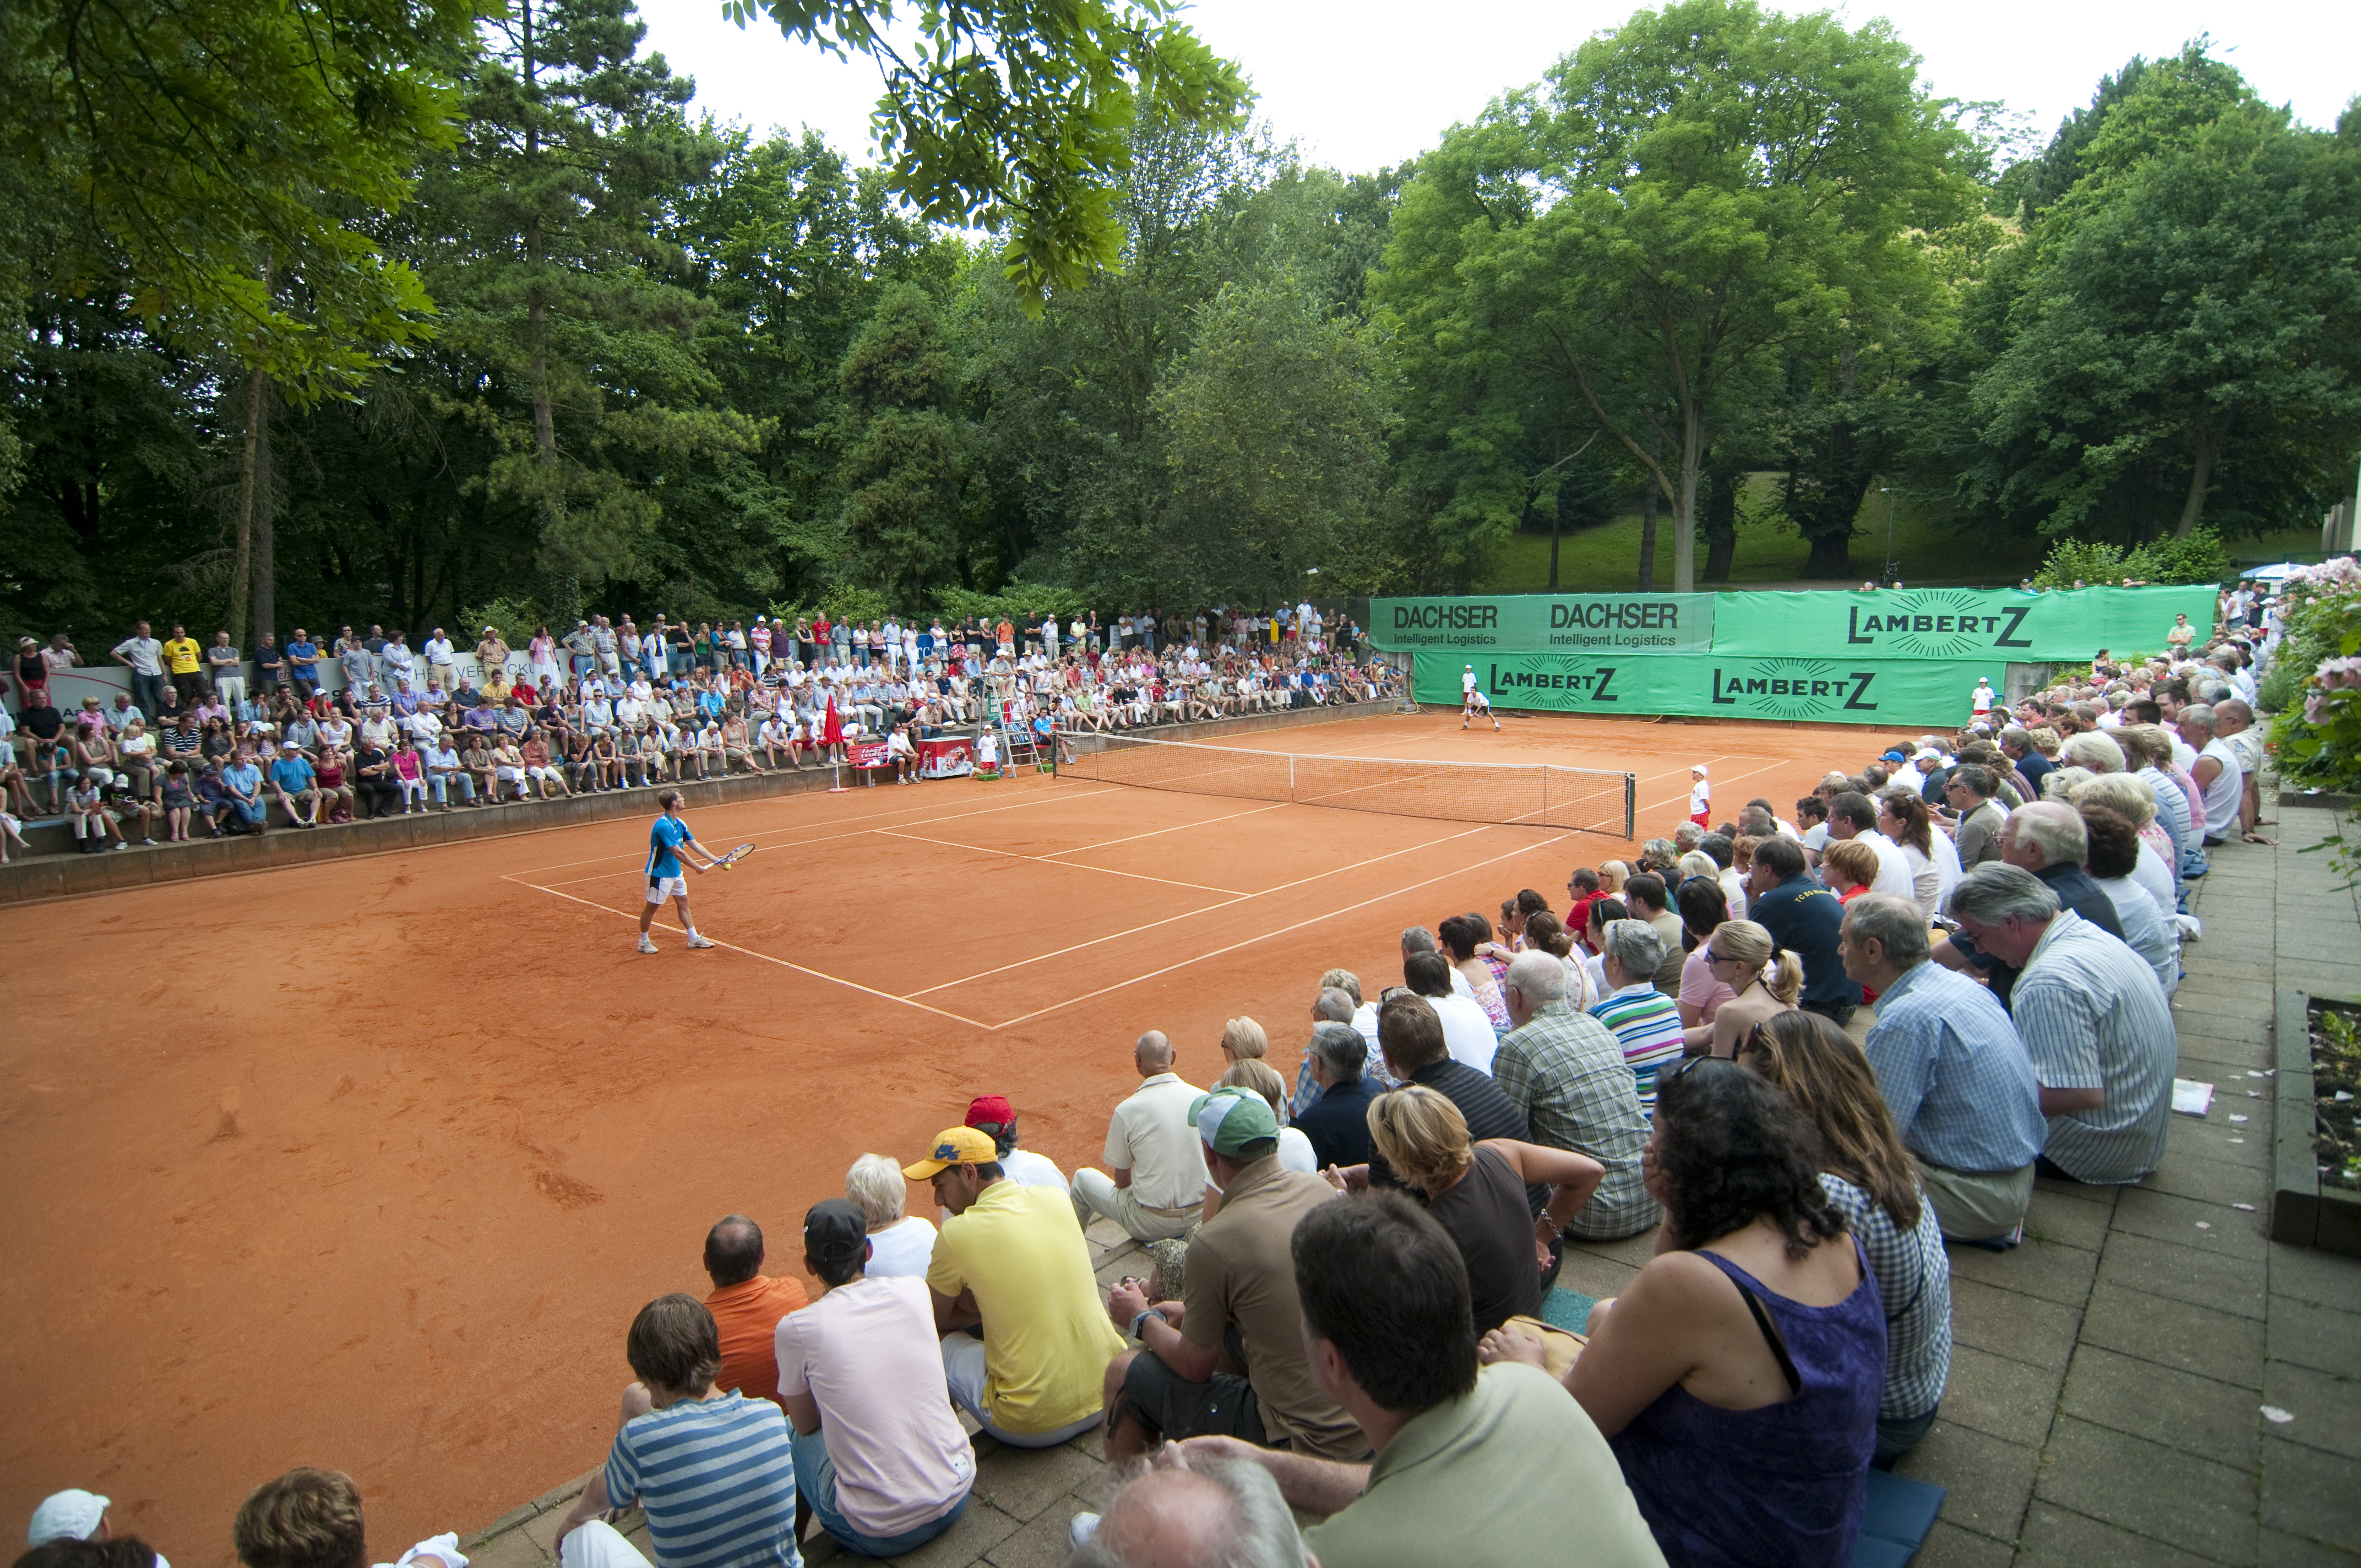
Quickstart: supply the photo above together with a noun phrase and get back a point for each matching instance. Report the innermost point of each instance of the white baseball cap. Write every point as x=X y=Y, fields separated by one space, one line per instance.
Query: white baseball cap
x=70 y=1515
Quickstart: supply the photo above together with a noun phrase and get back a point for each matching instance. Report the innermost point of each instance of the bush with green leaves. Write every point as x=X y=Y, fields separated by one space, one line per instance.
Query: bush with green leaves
x=514 y=617
x=2200 y=558
x=1016 y=601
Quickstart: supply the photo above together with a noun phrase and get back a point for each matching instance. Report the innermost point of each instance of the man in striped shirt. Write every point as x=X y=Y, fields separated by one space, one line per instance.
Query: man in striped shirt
x=714 y=1471
x=2092 y=1017
x=1644 y=1020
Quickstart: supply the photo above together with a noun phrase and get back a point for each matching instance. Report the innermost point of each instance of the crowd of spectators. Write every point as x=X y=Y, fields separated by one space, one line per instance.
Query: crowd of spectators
x=214 y=741
x=1806 y=1051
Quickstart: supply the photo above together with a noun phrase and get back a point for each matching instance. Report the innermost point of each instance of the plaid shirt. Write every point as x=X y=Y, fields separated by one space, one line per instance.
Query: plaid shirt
x=1954 y=1073
x=2093 y=1017
x=1566 y=1073
x=1914 y=1281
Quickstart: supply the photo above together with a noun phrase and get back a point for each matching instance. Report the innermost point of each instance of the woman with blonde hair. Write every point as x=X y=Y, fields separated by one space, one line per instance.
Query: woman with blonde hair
x=1612 y=875
x=899 y=1243
x=1869 y=1178
x=1242 y=1040
x=1477 y=1192
x=2129 y=796
x=1766 y=980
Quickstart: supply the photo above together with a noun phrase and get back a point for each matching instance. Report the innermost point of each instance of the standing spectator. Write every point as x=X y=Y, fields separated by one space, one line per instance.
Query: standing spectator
x=1804 y=918
x=491 y=652
x=1012 y=1259
x=1644 y=1020
x=1336 y=1119
x=303 y=664
x=184 y=661
x=899 y=1243
x=1565 y=1071
x=1471 y=1466
x=144 y=657
x=1239 y=1306
x=1154 y=1186
x=1952 y=1071
x=2093 y=1020
x=1870 y=1178
x=879 y=1457
x=32 y=674
x=225 y=668
x=269 y=665
x=714 y=1470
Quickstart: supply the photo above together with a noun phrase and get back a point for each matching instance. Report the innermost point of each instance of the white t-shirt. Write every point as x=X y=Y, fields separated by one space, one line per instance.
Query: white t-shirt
x=2221 y=796
x=1701 y=798
x=1466 y=1033
x=1893 y=874
x=1295 y=1152
x=867 y=1355
x=1029 y=1169
x=903 y=1249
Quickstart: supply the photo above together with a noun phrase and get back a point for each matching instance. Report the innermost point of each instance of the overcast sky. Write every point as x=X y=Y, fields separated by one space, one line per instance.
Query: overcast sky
x=1368 y=83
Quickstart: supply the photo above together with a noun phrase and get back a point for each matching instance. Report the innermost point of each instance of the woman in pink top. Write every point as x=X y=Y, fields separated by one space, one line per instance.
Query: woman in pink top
x=1703 y=909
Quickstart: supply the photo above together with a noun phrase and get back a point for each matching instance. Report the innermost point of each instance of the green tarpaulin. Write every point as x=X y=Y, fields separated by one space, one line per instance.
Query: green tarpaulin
x=1902 y=692
x=1569 y=623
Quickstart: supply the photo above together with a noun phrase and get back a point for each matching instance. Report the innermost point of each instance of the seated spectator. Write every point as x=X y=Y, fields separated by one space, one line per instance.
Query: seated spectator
x=1753 y=1346
x=1155 y=1182
x=1473 y=1466
x=295 y=783
x=1411 y=1034
x=1648 y=898
x=1294 y=1148
x=1466 y=1031
x=1803 y=918
x=311 y=1518
x=1565 y=1073
x=2131 y=796
x=1228 y=1357
x=78 y=1516
x=1331 y=1006
x=1644 y=1020
x=992 y=1115
x=1013 y=1259
x=746 y=1305
x=1976 y=833
x=1765 y=980
x=1703 y=907
x=1953 y=1074
x=1243 y=1038
x=2047 y=839
x=1336 y=1122
x=1849 y=868
x=715 y=1471
x=2113 y=860
x=1181 y=1512
x=1870 y=1177
x=900 y=1243
x=1462 y=937
x=1478 y=1191
x=1904 y=821
x=1417 y=940
x=1854 y=816
x=2093 y=1020
x=878 y=1455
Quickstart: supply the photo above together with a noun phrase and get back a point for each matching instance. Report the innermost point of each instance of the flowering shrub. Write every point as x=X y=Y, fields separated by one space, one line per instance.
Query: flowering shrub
x=2319 y=742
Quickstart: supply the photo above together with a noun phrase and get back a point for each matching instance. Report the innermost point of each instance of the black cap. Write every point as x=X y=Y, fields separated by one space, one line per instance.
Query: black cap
x=835 y=1232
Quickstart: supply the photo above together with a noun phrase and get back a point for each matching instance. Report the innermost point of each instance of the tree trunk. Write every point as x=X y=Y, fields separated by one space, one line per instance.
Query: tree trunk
x=1830 y=558
x=242 y=554
x=2201 y=474
x=1555 y=523
x=1720 y=523
x=266 y=531
x=1685 y=505
x=1648 y=518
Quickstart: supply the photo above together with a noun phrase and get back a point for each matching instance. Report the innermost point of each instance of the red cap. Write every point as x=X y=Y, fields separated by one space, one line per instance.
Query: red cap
x=990 y=1107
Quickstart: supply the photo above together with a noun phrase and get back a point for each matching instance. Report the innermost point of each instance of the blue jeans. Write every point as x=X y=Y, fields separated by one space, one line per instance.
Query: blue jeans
x=815 y=1484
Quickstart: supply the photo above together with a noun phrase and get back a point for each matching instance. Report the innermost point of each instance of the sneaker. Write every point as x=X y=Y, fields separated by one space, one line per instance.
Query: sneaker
x=697 y=941
x=1084 y=1526
x=645 y=945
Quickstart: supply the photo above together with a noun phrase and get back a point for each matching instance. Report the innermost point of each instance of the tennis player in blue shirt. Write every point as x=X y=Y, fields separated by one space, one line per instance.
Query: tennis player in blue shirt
x=670 y=845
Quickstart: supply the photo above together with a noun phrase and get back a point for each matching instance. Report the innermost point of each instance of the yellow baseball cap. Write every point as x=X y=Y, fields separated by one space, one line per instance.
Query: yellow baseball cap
x=954 y=1145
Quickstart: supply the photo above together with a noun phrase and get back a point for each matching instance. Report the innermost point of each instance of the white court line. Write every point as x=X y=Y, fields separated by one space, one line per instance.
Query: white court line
x=732 y=947
x=1191 y=913
x=1109 y=843
x=818 y=838
x=1676 y=799
x=1043 y=860
x=1262 y=937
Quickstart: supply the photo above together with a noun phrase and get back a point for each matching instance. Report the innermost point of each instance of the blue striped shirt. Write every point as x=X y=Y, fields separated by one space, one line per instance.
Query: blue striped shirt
x=718 y=1480
x=2093 y=1017
x=1954 y=1073
x=1647 y=1025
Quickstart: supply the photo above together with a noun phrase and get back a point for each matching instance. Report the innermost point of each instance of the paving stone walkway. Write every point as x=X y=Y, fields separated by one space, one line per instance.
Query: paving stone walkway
x=2109 y=1377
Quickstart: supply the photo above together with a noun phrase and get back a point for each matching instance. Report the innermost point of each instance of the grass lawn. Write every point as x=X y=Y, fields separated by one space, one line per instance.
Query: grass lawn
x=1932 y=550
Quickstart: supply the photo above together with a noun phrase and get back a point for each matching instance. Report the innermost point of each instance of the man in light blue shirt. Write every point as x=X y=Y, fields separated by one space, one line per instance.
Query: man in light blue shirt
x=1952 y=1068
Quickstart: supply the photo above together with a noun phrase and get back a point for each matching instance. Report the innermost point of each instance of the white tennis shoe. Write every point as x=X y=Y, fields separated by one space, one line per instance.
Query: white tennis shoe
x=646 y=946
x=697 y=941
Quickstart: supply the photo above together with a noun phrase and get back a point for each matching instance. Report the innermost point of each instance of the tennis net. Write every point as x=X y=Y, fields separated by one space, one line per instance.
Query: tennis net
x=1529 y=793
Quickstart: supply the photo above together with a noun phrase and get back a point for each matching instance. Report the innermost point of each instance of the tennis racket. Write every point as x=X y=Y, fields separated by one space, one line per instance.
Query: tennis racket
x=733 y=857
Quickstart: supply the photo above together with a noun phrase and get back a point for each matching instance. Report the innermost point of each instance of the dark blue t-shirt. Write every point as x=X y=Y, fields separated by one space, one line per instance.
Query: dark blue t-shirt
x=1804 y=918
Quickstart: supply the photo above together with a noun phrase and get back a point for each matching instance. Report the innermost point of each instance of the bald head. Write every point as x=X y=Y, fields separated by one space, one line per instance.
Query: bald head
x=1153 y=1054
x=733 y=1250
x=1223 y=1513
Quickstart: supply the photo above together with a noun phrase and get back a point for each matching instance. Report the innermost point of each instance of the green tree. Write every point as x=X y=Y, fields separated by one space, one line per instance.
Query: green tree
x=2181 y=342
x=902 y=459
x=1702 y=187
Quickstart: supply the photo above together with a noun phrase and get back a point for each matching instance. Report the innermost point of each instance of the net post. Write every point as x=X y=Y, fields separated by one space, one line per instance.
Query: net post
x=1631 y=806
x=1290 y=775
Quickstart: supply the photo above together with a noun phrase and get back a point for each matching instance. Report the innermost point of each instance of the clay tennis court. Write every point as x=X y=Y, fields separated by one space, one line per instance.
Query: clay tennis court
x=367 y=1164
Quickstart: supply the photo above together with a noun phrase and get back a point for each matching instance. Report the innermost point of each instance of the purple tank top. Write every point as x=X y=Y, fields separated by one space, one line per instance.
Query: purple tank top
x=1782 y=1485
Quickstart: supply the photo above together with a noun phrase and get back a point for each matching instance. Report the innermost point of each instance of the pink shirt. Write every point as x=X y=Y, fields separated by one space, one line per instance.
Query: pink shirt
x=1698 y=988
x=868 y=1355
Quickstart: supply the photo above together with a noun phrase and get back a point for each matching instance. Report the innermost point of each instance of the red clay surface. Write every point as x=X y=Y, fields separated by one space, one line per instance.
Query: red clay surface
x=368 y=1164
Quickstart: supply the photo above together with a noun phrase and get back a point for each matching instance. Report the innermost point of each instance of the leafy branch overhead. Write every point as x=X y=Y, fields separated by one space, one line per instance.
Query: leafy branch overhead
x=1015 y=116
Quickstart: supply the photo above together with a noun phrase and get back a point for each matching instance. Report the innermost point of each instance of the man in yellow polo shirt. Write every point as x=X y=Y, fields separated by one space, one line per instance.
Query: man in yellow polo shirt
x=184 y=661
x=1012 y=1259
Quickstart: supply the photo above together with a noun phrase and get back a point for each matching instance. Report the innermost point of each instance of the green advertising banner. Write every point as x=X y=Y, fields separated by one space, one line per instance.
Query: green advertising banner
x=1569 y=623
x=1991 y=626
x=1902 y=692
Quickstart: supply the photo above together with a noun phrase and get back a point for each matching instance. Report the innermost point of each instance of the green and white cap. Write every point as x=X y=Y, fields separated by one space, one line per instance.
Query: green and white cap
x=1229 y=1119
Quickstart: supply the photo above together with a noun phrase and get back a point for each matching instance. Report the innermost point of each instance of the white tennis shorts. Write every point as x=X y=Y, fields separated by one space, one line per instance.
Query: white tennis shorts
x=663 y=887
